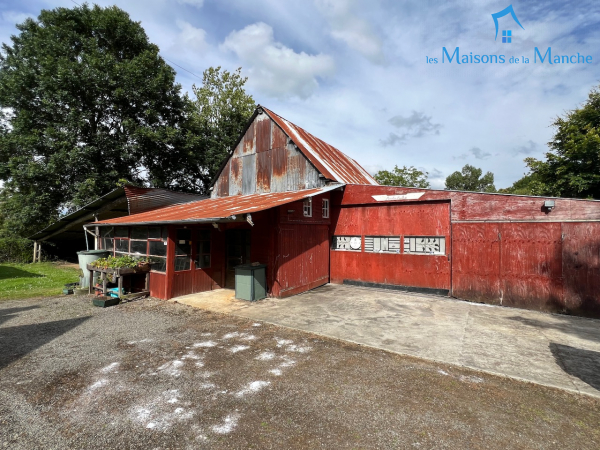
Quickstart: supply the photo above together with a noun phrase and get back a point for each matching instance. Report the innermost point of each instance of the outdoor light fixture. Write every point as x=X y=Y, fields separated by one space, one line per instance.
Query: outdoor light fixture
x=249 y=219
x=549 y=205
x=291 y=211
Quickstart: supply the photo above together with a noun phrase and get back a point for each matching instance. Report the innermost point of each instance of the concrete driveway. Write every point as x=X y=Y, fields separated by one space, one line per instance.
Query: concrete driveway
x=552 y=350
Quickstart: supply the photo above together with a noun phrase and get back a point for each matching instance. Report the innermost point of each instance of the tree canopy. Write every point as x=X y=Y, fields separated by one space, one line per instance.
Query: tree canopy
x=405 y=176
x=86 y=100
x=572 y=166
x=221 y=111
x=470 y=179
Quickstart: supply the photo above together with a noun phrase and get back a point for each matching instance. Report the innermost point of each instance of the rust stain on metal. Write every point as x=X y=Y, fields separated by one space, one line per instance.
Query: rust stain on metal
x=263 y=134
x=331 y=162
x=219 y=208
x=278 y=137
x=263 y=172
x=235 y=177
x=248 y=142
x=222 y=184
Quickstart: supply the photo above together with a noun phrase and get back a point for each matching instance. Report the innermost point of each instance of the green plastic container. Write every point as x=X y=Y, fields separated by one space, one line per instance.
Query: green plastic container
x=251 y=282
x=87 y=257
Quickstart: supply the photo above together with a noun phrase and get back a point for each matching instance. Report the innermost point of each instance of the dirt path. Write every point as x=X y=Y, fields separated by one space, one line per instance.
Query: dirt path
x=152 y=374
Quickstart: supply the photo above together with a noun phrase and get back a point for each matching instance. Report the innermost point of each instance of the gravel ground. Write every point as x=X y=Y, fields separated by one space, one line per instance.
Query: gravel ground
x=157 y=375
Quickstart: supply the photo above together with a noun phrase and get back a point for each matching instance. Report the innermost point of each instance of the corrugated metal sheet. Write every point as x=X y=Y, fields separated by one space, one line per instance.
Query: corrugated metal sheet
x=221 y=187
x=263 y=134
x=249 y=174
x=146 y=199
x=328 y=160
x=235 y=176
x=72 y=221
x=218 y=208
x=247 y=145
x=117 y=203
x=263 y=172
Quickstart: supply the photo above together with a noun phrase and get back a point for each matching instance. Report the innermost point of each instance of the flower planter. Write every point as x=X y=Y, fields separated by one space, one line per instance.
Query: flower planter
x=124 y=271
x=105 y=302
x=116 y=275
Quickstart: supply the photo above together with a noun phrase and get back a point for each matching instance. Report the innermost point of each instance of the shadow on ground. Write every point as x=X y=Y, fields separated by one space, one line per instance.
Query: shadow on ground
x=13 y=272
x=8 y=313
x=583 y=364
x=18 y=341
x=583 y=328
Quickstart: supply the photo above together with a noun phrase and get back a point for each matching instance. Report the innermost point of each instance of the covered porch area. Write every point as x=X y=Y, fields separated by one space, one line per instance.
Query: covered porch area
x=197 y=246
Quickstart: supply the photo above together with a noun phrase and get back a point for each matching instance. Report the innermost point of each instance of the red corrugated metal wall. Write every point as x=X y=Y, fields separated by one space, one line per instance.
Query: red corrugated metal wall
x=407 y=219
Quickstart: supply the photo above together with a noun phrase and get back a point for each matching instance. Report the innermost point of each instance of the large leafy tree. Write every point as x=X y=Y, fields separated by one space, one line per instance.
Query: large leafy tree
x=218 y=116
x=470 y=179
x=528 y=185
x=86 y=101
x=405 y=176
x=572 y=166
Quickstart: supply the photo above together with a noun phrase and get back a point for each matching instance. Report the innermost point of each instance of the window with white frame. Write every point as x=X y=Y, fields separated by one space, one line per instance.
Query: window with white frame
x=382 y=244
x=349 y=243
x=307 y=207
x=325 y=208
x=425 y=245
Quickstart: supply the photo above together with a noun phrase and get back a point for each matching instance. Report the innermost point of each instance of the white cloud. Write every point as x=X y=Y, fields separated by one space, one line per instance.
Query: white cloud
x=273 y=68
x=191 y=37
x=348 y=27
x=416 y=125
x=196 y=3
x=474 y=152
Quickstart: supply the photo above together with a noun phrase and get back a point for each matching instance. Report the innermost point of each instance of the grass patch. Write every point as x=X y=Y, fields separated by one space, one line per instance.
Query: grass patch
x=34 y=280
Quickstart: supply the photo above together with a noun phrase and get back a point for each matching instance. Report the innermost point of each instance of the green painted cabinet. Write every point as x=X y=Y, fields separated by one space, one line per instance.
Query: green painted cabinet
x=250 y=282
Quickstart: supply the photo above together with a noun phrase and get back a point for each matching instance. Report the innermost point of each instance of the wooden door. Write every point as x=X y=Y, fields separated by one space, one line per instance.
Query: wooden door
x=237 y=252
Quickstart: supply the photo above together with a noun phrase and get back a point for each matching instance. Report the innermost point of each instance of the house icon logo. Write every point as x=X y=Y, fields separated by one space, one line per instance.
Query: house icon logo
x=506 y=34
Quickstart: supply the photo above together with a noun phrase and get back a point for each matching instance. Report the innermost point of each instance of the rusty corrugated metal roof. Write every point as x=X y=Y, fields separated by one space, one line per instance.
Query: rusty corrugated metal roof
x=214 y=209
x=331 y=162
x=141 y=199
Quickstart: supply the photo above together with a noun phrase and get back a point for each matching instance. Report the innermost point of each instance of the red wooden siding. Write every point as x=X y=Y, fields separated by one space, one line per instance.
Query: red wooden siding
x=543 y=266
x=531 y=265
x=476 y=261
x=430 y=271
x=303 y=259
x=158 y=285
x=581 y=268
x=470 y=206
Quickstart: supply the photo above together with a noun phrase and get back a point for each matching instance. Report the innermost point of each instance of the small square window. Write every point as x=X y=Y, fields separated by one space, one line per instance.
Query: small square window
x=325 y=209
x=307 y=208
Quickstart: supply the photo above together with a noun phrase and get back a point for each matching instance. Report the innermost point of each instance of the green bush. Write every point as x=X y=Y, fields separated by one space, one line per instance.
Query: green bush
x=16 y=250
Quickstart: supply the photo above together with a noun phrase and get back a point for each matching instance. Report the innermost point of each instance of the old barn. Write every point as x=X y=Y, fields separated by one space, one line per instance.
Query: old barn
x=313 y=215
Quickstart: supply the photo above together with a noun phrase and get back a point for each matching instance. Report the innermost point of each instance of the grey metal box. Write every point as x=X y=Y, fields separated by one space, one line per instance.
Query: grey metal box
x=250 y=282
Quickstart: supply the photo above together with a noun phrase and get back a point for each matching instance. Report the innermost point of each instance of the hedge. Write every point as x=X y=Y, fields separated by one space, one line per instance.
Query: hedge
x=16 y=250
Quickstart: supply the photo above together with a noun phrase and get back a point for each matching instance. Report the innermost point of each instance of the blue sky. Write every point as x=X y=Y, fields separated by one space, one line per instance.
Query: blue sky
x=354 y=73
